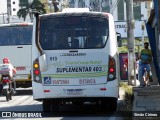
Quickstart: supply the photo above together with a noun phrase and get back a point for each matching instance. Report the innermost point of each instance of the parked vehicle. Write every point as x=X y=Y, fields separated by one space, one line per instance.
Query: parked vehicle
x=15 y=44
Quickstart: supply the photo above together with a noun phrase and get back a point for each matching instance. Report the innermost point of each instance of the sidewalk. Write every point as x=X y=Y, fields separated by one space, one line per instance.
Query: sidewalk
x=146 y=103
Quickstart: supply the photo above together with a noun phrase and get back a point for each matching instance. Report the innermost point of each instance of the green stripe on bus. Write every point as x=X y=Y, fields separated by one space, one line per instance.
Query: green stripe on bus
x=76 y=75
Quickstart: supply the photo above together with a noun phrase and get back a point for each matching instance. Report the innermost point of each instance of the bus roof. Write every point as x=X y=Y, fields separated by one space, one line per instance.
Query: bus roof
x=73 y=13
x=16 y=24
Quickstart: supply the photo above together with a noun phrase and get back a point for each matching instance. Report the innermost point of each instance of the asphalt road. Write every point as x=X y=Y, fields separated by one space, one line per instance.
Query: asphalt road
x=23 y=102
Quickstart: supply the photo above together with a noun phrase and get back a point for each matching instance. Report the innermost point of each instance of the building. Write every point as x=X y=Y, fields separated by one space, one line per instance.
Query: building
x=115 y=7
x=3 y=6
x=14 y=7
x=118 y=9
x=9 y=9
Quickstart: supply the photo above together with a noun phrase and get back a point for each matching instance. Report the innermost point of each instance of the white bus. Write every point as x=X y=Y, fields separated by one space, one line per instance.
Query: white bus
x=15 y=44
x=75 y=59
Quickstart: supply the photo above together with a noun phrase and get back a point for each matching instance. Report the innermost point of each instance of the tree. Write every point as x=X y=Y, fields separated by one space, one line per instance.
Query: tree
x=27 y=8
x=55 y=3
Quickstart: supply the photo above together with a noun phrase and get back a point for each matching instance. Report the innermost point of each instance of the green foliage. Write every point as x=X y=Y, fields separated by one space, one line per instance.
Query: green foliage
x=22 y=13
x=23 y=2
x=26 y=8
x=124 y=49
x=128 y=99
x=127 y=89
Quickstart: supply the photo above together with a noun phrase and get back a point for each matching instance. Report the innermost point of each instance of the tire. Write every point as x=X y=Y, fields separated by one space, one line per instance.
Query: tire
x=10 y=95
x=113 y=104
x=12 y=92
x=46 y=106
x=1 y=88
x=109 y=104
x=104 y=105
x=55 y=106
x=6 y=93
x=50 y=105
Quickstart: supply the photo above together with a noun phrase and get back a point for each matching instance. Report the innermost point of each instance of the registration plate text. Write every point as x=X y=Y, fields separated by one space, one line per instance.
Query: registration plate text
x=74 y=92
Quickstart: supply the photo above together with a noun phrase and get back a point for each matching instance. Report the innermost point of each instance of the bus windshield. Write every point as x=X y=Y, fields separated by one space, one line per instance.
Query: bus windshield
x=15 y=35
x=73 y=32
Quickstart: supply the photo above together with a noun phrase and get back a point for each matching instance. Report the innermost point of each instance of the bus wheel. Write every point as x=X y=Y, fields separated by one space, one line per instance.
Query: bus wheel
x=10 y=95
x=55 y=105
x=6 y=92
x=113 y=104
x=104 y=105
x=109 y=105
x=46 y=106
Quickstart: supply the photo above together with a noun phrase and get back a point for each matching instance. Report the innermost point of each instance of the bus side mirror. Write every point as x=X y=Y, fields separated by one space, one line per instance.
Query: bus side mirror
x=119 y=40
x=43 y=63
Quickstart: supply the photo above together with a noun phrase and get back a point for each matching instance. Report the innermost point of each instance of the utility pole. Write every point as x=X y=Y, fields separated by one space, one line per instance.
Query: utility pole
x=3 y=14
x=99 y=5
x=131 y=42
x=3 y=19
x=9 y=14
x=143 y=26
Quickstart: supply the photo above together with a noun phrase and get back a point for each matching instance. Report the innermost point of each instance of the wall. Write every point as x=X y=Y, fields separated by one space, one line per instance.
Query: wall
x=3 y=6
x=14 y=7
x=121 y=27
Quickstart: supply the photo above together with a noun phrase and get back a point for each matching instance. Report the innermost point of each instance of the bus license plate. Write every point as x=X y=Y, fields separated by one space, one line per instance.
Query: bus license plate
x=74 y=92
